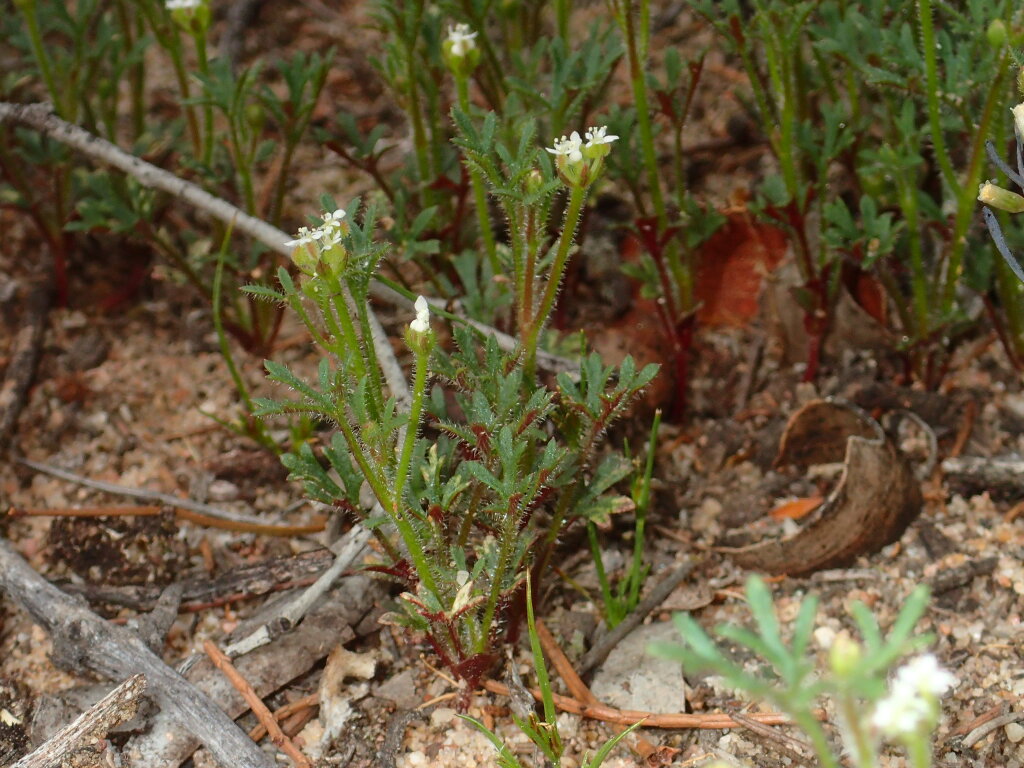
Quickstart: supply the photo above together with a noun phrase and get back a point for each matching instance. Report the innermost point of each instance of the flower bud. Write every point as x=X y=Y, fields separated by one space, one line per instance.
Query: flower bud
x=996 y=33
x=844 y=655
x=1018 y=121
x=1003 y=199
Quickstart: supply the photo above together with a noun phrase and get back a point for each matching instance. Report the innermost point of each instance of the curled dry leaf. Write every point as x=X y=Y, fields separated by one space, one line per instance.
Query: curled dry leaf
x=871 y=505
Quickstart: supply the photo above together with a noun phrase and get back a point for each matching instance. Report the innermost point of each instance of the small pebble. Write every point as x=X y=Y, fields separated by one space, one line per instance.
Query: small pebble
x=1014 y=732
x=441 y=716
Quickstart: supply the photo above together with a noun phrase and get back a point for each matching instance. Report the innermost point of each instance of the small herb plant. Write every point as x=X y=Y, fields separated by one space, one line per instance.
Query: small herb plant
x=543 y=732
x=476 y=472
x=905 y=712
x=876 y=114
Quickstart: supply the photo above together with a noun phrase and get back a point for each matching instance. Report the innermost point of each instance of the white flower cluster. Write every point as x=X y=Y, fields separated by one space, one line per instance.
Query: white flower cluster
x=461 y=38
x=573 y=149
x=327 y=234
x=182 y=5
x=570 y=152
x=422 y=322
x=570 y=148
x=912 y=703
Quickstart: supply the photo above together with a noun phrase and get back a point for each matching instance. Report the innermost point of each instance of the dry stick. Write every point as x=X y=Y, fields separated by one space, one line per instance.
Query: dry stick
x=41 y=118
x=245 y=581
x=796 y=750
x=982 y=731
x=223 y=663
x=658 y=595
x=89 y=729
x=24 y=358
x=113 y=511
x=84 y=641
x=1004 y=474
x=282 y=713
x=714 y=721
x=348 y=548
x=203 y=514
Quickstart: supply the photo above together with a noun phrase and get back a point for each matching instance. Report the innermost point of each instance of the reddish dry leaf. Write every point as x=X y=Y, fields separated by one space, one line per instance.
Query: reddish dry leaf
x=731 y=266
x=794 y=510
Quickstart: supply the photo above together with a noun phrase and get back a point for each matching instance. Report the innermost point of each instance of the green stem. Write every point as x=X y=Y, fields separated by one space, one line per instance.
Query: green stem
x=242 y=166
x=355 y=447
x=258 y=430
x=562 y=16
x=479 y=193
x=172 y=44
x=527 y=268
x=856 y=740
x=612 y=609
x=397 y=511
x=412 y=428
x=506 y=547
x=966 y=203
x=924 y=8
x=919 y=750
x=577 y=196
x=637 y=35
x=918 y=277
x=199 y=36
x=642 y=504
x=39 y=53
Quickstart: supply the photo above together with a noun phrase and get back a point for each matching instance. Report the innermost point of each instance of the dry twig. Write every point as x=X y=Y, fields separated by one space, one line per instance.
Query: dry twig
x=223 y=663
x=714 y=721
x=657 y=596
x=84 y=641
x=348 y=549
x=25 y=352
x=89 y=729
x=204 y=513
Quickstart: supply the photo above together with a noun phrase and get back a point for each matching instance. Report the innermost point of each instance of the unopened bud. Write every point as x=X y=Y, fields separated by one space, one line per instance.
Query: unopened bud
x=996 y=33
x=1000 y=198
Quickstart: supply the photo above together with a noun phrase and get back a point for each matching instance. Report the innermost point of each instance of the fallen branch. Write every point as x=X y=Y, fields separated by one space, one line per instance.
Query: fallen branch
x=1000 y=474
x=25 y=352
x=267 y=669
x=245 y=581
x=85 y=642
x=87 y=732
x=41 y=118
x=348 y=549
x=194 y=511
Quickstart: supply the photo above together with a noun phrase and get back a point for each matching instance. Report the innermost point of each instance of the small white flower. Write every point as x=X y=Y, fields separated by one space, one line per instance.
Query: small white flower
x=332 y=220
x=1018 y=119
x=912 y=703
x=177 y=5
x=303 y=237
x=461 y=39
x=422 y=322
x=569 y=148
x=598 y=135
x=923 y=675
